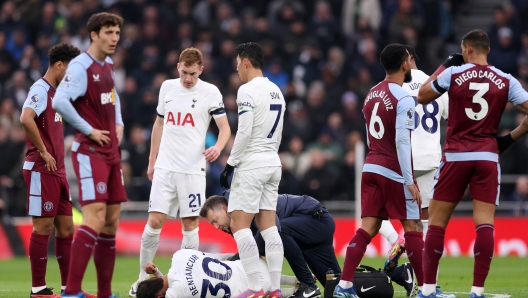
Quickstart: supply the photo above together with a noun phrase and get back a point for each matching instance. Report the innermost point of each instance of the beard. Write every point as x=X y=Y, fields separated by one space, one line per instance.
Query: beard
x=408 y=77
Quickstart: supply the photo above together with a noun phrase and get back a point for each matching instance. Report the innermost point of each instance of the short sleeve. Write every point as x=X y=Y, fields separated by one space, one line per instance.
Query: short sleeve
x=216 y=104
x=37 y=99
x=245 y=101
x=444 y=105
x=75 y=82
x=443 y=81
x=160 y=109
x=405 y=113
x=516 y=95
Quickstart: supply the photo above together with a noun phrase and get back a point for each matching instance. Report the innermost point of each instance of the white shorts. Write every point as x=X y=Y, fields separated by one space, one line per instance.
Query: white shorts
x=255 y=189
x=425 y=180
x=172 y=191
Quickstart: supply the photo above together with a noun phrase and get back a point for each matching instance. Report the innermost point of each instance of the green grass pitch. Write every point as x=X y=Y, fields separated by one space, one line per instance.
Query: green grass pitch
x=508 y=276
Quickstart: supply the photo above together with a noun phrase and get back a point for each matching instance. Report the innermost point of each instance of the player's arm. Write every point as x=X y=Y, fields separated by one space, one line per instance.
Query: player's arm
x=404 y=126
x=217 y=110
x=454 y=59
x=35 y=104
x=74 y=85
x=431 y=91
x=519 y=97
x=157 y=131
x=120 y=125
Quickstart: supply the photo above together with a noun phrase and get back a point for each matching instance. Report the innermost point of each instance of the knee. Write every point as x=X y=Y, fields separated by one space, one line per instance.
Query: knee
x=189 y=223
x=413 y=226
x=45 y=228
x=156 y=220
x=64 y=231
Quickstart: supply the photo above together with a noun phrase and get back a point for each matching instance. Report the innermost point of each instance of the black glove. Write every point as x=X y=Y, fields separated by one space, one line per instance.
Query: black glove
x=454 y=59
x=504 y=142
x=224 y=176
x=234 y=257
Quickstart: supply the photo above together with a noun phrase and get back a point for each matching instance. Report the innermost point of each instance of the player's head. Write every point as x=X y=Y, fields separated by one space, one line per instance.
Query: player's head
x=215 y=211
x=190 y=67
x=151 y=288
x=105 y=29
x=248 y=56
x=414 y=56
x=475 y=42
x=396 y=60
x=59 y=56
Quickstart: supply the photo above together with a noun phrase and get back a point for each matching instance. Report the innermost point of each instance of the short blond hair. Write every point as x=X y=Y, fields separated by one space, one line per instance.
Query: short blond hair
x=190 y=56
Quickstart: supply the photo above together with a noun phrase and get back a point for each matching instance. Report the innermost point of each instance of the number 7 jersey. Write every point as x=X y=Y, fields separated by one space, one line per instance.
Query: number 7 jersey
x=477 y=97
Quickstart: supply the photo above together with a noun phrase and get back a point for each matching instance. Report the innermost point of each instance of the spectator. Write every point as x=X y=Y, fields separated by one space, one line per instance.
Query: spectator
x=354 y=11
x=520 y=196
x=324 y=26
x=406 y=23
x=17 y=88
x=275 y=74
x=318 y=181
x=330 y=150
x=504 y=56
x=295 y=159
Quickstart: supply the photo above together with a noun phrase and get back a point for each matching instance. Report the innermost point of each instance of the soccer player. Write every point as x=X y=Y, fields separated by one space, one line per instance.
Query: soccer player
x=427 y=153
x=197 y=274
x=478 y=93
x=177 y=157
x=388 y=188
x=261 y=109
x=48 y=194
x=86 y=98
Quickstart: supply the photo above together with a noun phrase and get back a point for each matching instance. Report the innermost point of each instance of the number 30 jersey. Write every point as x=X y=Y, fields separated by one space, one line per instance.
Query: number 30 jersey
x=425 y=139
x=477 y=97
x=196 y=274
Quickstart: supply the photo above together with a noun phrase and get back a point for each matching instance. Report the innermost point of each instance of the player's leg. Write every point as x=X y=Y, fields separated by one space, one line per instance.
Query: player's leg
x=38 y=251
x=425 y=181
x=485 y=189
x=321 y=258
x=64 y=230
x=397 y=245
x=242 y=207
x=191 y=194
x=105 y=252
x=268 y=229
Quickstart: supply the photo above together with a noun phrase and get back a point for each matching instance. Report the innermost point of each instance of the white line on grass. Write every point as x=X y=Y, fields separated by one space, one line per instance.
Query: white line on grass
x=489 y=295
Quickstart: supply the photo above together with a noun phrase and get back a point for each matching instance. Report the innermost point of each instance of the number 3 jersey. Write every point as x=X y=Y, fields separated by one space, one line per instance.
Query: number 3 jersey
x=387 y=108
x=196 y=274
x=425 y=139
x=477 y=97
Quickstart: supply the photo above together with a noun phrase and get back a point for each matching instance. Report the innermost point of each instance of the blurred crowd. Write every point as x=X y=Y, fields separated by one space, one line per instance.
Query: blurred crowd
x=322 y=54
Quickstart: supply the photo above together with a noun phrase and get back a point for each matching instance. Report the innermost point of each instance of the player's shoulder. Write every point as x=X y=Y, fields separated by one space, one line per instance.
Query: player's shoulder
x=83 y=59
x=458 y=69
x=501 y=73
x=397 y=91
x=208 y=88
x=418 y=76
x=109 y=60
x=170 y=82
x=40 y=86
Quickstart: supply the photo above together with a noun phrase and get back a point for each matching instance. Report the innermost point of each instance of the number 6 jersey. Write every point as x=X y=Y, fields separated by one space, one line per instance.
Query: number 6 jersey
x=425 y=139
x=196 y=274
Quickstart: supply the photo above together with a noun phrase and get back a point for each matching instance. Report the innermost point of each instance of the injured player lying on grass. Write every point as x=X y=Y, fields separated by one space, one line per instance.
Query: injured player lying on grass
x=197 y=274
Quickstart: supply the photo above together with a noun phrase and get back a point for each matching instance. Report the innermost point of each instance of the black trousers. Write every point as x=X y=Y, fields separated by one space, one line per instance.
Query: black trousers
x=307 y=243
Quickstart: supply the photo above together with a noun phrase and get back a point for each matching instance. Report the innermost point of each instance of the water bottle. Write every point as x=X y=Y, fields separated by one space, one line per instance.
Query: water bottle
x=330 y=274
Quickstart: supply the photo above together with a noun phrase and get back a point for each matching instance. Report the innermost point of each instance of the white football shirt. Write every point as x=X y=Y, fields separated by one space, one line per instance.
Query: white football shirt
x=257 y=143
x=186 y=114
x=196 y=274
x=425 y=139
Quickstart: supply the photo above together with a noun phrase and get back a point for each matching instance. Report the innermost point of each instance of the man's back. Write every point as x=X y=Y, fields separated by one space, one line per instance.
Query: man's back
x=265 y=100
x=385 y=111
x=478 y=95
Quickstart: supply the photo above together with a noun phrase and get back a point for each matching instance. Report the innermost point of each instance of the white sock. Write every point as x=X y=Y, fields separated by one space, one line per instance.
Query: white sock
x=287 y=292
x=149 y=246
x=388 y=231
x=425 y=223
x=274 y=255
x=345 y=284
x=419 y=288
x=37 y=289
x=477 y=290
x=247 y=248
x=428 y=289
x=287 y=280
x=190 y=239
x=63 y=288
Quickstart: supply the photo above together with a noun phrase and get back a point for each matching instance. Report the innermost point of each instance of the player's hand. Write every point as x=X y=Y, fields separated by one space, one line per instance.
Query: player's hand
x=415 y=193
x=224 y=176
x=150 y=171
x=119 y=133
x=51 y=163
x=99 y=136
x=504 y=142
x=150 y=268
x=454 y=59
x=212 y=153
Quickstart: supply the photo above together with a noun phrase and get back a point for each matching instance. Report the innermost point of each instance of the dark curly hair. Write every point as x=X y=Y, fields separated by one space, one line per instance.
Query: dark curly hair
x=62 y=52
x=149 y=288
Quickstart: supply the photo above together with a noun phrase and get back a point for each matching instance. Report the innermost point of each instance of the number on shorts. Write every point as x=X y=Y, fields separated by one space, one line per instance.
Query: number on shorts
x=277 y=108
x=206 y=284
x=374 y=118
x=194 y=197
x=481 y=88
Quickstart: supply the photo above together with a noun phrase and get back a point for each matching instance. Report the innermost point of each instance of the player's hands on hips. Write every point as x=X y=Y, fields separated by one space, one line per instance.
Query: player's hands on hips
x=150 y=171
x=119 y=133
x=415 y=193
x=212 y=153
x=504 y=142
x=51 y=163
x=99 y=136
x=224 y=176
x=150 y=268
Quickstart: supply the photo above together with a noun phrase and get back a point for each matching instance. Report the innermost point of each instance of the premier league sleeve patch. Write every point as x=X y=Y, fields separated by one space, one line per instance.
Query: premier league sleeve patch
x=34 y=100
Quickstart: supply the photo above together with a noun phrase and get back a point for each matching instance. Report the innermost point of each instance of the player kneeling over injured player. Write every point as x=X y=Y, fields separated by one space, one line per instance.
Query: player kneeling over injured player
x=197 y=274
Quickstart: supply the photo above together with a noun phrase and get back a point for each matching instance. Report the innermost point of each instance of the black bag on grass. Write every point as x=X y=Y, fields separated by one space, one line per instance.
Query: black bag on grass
x=369 y=283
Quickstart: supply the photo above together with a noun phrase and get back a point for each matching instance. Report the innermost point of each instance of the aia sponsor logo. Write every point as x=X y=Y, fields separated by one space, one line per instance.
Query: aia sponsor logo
x=180 y=119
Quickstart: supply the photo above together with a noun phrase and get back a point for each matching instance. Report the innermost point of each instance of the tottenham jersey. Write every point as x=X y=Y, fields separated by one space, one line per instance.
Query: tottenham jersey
x=425 y=139
x=262 y=137
x=195 y=274
x=186 y=114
